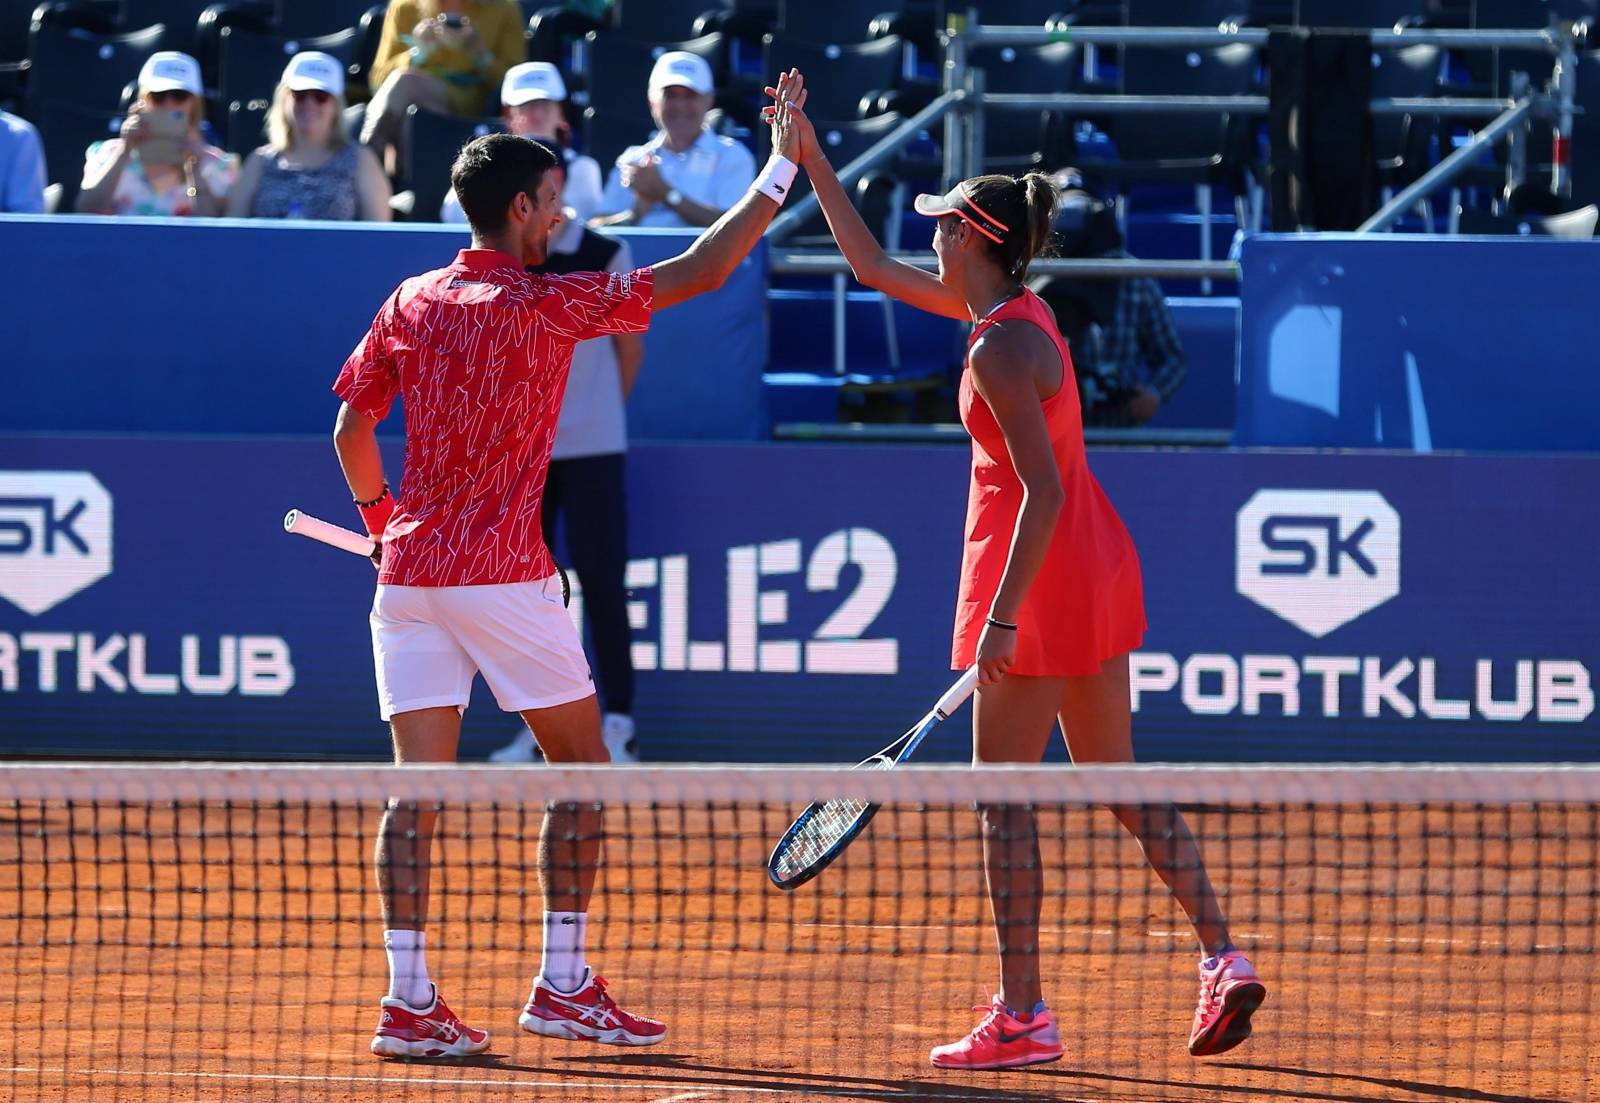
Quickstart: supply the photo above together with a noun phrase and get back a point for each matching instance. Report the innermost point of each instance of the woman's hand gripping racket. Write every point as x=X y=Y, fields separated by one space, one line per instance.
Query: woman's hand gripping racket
x=823 y=830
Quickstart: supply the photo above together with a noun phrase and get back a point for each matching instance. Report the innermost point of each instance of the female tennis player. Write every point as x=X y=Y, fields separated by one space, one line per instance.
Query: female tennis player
x=1050 y=601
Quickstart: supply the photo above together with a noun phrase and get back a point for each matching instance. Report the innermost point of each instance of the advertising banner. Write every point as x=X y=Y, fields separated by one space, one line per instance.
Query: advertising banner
x=794 y=603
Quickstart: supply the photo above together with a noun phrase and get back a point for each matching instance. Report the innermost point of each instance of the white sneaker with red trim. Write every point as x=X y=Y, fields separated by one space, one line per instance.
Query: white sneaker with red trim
x=589 y=1014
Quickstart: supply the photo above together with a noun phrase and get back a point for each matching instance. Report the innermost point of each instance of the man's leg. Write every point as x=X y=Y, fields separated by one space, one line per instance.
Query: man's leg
x=415 y=1022
x=569 y=841
x=567 y=1000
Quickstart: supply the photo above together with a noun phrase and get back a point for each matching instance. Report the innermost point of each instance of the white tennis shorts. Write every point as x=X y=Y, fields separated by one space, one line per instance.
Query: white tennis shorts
x=429 y=641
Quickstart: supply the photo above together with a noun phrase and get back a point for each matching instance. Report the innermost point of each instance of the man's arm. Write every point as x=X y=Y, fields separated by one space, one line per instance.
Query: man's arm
x=630 y=356
x=1158 y=341
x=25 y=189
x=355 y=439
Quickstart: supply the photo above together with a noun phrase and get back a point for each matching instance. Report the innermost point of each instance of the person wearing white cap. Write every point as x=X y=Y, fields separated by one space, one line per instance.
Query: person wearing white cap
x=160 y=165
x=684 y=175
x=309 y=168
x=530 y=105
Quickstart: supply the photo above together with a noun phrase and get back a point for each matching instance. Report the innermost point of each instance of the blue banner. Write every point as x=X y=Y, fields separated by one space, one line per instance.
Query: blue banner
x=239 y=327
x=1424 y=343
x=794 y=602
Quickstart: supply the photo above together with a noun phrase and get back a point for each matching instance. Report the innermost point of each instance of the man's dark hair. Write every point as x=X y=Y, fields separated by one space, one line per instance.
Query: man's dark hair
x=489 y=173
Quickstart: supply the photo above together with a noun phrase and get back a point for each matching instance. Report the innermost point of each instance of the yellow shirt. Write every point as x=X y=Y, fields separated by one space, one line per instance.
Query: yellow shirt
x=469 y=78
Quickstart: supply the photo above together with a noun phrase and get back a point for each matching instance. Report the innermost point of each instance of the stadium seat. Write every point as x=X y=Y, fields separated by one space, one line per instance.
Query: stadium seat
x=435 y=141
x=79 y=68
x=252 y=62
x=245 y=128
x=838 y=75
x=879 y=195
x=320 y=17
x=835 y=21
x=16 y=16
x=1360 y=13
x=604 y=137
x=626 y=63
x=67 y=131
x=1200 y=149
x=1185 y=13
x=659 y=20
x=180 y=17
x=1404 y=142
x=1013 y=140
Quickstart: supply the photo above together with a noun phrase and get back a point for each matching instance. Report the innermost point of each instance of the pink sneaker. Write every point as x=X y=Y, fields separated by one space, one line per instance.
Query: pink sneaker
x=1230 y=992
x=432 y=1031
x=1002 y=1041
x=589 y=1014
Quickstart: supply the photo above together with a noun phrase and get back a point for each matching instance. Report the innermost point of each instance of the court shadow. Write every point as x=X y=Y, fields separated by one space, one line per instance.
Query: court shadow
x=1441 y=1091
x=1190 y=1089
x=683 y=1072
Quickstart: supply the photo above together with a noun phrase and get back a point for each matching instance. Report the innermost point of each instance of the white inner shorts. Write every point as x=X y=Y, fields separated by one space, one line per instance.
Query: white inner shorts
x=429 y=641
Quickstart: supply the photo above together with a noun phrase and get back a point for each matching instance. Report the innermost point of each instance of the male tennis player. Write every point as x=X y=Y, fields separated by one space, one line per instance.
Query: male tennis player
x=479 y=353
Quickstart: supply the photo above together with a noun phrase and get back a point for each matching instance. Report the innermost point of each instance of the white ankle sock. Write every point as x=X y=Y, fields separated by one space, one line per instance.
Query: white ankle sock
x=562 y=963
x=408 y=967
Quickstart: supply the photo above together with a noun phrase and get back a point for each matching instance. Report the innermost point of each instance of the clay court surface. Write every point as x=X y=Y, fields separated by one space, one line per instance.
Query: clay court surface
x=161 y=953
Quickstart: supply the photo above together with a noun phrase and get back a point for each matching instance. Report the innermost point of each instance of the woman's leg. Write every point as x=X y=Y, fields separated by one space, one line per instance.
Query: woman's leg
x=1011 y=722
x=384 y=125
x=1096 y=718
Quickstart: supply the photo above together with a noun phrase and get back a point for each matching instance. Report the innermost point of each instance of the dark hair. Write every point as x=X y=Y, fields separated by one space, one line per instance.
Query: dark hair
x=1027 y=205
x=491 y=171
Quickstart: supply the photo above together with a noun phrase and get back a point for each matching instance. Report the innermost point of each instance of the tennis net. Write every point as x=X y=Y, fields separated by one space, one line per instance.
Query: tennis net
x=213 y=932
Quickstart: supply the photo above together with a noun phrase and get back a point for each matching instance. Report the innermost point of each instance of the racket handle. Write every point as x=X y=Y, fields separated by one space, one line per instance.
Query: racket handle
x=303 y=524
x=957 y=695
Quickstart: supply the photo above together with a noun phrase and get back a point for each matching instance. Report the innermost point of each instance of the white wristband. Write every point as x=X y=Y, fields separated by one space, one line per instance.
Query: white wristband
x=777 y=178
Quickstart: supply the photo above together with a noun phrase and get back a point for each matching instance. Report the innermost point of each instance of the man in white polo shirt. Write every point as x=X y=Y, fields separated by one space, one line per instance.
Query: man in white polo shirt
x=684 y=175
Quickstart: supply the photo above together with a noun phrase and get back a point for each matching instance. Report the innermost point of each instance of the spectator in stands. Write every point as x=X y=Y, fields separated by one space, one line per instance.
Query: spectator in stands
x=586 y=493
x=442 y=55
x=685 y=175
x=530 y=104
x=309 y=168
x=160 y=165
x=1125 y=347
x=22 y=177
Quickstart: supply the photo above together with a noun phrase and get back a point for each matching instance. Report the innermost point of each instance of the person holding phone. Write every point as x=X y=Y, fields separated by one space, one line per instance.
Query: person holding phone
x=442 y=55
x=160 y=165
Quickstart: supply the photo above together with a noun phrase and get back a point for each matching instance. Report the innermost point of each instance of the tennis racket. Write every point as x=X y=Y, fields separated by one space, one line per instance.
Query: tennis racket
x=822 y=831
x=303 y=524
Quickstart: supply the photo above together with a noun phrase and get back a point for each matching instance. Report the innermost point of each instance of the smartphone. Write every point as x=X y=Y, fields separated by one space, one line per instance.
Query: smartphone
x=164 y=133
x=454 y=20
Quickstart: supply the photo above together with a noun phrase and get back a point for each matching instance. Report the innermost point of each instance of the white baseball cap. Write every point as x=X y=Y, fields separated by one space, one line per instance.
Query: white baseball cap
x=532 y=80
x=171 y=71
x=681 y=69
x=314 y=71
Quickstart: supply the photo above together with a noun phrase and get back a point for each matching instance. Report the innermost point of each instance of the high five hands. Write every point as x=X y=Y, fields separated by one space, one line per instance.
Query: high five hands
x=792 y=135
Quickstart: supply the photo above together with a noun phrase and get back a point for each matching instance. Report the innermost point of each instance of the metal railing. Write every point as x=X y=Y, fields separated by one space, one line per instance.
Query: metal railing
x=963 y=103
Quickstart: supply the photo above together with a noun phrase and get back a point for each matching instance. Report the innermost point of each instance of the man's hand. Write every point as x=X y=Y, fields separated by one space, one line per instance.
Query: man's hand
x=1142 y=406
x=645 y=181
x=792 y=134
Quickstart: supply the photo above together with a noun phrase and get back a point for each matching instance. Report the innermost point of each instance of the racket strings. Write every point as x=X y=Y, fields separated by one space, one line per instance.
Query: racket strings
x=831 y=821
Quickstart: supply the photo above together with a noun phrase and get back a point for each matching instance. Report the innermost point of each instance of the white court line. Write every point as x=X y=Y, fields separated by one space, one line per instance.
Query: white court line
x=682 y=1097
x=1343 y=939
x=698 y=1087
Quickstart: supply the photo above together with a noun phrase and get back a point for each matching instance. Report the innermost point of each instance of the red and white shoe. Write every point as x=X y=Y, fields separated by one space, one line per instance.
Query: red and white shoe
x=432 y=1031
x=1230 y=992
x=1002 y=1041
x=589 y=1014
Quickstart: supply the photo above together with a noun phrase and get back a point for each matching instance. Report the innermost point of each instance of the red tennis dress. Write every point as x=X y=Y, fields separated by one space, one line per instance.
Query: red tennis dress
x=1087 y=603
